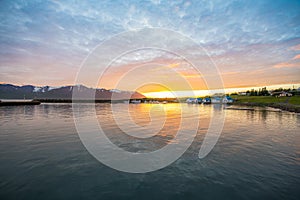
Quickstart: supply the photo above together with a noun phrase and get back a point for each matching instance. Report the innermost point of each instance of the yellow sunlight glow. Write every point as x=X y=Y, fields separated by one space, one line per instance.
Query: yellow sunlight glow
x=161 y=94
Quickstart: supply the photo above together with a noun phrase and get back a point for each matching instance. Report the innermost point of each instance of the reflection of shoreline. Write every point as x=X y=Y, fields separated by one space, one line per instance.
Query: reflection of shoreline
x=144 y=100
x=282 y=106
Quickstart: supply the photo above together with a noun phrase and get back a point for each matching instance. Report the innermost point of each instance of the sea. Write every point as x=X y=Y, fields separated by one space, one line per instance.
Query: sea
x=43 y=156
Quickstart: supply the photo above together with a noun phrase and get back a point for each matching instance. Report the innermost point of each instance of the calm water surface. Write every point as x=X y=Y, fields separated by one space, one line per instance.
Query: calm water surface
x=42 y=157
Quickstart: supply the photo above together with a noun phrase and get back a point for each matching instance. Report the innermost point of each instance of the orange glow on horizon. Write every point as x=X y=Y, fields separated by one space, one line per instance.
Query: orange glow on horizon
x=202 y=93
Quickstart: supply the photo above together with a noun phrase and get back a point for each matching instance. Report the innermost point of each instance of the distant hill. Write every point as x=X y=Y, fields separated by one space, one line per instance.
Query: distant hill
x=9 y=91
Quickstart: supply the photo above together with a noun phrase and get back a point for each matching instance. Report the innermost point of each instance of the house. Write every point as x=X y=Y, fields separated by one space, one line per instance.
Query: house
x=285 y=94
x=227 y=99
x=206 y=100
x=216 y=99
x=191 y=100
x=194 y=100
x=221 y=99
x=242 y=93
x=199 y=100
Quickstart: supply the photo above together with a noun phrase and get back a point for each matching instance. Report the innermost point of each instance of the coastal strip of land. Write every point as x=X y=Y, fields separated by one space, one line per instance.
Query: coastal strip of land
x=291 y=104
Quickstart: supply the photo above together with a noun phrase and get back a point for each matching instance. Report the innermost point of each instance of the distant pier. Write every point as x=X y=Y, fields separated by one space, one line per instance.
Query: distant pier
x=19 y=102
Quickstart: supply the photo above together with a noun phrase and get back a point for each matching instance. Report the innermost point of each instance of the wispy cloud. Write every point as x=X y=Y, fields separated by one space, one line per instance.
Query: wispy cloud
x=53 y=37
x=296 y=57
x=296 y=47
x=286 y=65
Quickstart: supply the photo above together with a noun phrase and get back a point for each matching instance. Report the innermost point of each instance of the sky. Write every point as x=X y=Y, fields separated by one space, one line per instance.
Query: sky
x=252 y=43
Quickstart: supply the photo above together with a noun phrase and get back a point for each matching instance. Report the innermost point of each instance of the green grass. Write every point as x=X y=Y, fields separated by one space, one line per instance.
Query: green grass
x=294 y=100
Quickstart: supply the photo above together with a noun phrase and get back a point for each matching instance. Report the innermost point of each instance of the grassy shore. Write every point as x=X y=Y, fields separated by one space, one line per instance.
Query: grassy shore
x=285 y=103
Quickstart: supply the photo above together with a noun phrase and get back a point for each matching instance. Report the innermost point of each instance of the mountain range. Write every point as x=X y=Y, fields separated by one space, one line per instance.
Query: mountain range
x=9 y=91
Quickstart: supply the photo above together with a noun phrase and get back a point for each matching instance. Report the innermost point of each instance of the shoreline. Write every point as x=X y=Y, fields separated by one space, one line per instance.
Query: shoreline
x=19 y=102
x=282 y=106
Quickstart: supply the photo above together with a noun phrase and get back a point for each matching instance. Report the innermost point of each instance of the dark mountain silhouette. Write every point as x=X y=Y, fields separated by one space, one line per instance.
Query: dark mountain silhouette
x=9 y=91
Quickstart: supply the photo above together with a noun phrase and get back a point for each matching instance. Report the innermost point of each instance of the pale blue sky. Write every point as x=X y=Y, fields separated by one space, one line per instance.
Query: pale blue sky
x=44 y=42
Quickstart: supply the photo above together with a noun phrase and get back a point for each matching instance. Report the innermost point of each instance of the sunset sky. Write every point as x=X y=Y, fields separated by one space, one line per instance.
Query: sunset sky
x=252 y=43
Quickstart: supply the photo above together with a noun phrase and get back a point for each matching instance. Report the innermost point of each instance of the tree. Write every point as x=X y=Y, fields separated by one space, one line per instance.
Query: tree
x=253 y=92
x=264 y=92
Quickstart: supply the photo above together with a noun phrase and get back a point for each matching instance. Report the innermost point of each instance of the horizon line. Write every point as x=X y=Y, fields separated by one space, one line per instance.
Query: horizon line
x=183 y=93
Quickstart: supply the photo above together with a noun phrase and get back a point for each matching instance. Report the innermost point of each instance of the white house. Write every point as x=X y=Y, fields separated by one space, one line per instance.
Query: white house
x=285 y=94
x=221 y=99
